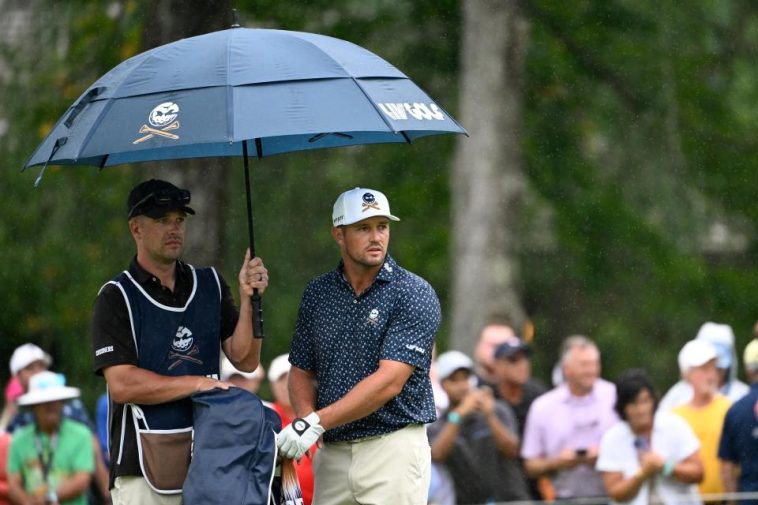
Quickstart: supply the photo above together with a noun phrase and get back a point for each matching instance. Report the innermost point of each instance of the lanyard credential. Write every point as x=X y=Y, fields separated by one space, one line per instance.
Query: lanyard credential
x=46 y=464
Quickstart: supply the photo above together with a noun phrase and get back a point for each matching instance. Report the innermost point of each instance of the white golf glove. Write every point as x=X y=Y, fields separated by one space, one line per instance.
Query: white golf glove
x=298 y=436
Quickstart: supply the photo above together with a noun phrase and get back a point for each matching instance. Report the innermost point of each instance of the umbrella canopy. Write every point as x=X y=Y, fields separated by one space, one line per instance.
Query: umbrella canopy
x=206 y=95
x=236 y=91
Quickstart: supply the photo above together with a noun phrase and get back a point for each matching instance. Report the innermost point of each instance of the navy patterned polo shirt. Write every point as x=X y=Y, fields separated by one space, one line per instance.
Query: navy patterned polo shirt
x=341 y=336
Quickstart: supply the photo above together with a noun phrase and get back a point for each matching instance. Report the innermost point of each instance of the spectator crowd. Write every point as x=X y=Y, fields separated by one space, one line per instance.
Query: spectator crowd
x=500 y=436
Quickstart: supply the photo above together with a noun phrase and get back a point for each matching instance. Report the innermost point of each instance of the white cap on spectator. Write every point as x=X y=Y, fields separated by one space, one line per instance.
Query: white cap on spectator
x=27 y=354
x=279 y=366
x=696 y=353
x=750 y=356
x=451 y=361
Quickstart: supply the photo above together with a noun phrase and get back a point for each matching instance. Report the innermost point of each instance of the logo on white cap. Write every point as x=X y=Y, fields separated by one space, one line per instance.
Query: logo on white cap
x=358 y=204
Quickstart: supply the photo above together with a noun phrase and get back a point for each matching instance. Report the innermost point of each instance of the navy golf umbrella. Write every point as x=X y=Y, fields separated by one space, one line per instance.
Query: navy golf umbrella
x=240 y=91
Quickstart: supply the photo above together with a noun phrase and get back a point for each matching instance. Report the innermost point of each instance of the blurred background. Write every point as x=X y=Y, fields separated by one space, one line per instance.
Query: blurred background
x=607 y=186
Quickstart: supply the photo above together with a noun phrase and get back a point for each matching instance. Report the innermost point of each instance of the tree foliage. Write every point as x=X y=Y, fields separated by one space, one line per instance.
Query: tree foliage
x=638 y=147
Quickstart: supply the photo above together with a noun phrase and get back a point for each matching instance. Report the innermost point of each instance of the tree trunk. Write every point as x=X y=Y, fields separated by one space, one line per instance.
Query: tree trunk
x=206 y=178
x=488 y=182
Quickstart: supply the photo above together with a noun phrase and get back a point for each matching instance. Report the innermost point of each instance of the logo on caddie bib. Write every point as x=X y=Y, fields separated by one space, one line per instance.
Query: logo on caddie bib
x=182 y=348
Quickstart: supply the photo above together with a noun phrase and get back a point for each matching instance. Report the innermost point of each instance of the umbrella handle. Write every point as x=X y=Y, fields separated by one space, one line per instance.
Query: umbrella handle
x=255 y=300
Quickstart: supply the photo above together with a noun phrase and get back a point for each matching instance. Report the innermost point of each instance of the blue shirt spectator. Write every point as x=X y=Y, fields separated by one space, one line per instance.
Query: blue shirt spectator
x=738 y=448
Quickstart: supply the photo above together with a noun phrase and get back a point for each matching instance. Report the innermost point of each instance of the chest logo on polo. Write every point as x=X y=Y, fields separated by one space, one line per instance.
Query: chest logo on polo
x=373 y=316
x=182 y=348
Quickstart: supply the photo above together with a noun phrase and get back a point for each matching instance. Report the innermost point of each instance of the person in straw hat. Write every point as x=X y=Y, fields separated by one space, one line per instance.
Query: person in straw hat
x=50 y=462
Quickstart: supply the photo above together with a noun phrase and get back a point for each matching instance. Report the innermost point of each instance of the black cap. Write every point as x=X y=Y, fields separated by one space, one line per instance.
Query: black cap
x=156 y=198
x=510 y=347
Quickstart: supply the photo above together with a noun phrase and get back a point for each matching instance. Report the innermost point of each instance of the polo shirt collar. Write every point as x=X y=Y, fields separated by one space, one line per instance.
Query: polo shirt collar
x=386 y=273
x=567 y=397
x=142 y=276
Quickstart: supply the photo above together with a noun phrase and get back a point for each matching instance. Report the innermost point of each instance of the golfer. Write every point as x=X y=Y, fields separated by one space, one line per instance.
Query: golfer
x=360 y=367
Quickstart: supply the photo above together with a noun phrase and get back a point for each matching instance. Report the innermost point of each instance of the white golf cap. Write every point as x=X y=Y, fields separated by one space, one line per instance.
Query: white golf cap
x=358 y=204
x=750 y=355
x=27 y=354
x=696 y=353
x=46 y=387
x=279 y=366
x=227 y=370
x=451 y=361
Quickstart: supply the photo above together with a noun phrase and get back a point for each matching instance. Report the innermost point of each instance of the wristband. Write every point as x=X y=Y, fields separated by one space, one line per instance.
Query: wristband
x=668 y=468
x=454 y=418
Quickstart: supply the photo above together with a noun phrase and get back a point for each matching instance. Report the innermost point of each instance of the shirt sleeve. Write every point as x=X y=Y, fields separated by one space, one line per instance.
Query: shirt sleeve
x=686 y=440
x=14 y=457
x=229 y=311
x=506 y=416
x=83 y=459
x=531 y=446
x=301 y=348
x=410 y=333
x=728 y=449
x=111 y=330
x=608 y=459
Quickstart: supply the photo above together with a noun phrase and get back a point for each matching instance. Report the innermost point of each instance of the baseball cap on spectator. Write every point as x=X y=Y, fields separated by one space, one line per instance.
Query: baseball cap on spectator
x=750 y=356
x=359 y=204
x=156 y=198
x=450 y=362
x=696 y=353
x=227 y=370
x=25 y=355
x=722 y=338
x=490 y=338
x=46 y=387
x=513 y=345
x=279 y=366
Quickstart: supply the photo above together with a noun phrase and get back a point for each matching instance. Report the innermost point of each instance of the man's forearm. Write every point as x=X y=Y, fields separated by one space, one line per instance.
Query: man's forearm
x=537 y=467
x=368 y=396
x=729 y=472
x=506 y=442
x=241 y=348
x=131 y=384
x=73 y=486
x=302 y=391
x=16 y=490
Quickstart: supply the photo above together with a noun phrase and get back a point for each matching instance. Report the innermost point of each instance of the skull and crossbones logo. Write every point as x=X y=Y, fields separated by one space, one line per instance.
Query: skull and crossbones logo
x=183 y=348
x=369 y=202
x=162 y=119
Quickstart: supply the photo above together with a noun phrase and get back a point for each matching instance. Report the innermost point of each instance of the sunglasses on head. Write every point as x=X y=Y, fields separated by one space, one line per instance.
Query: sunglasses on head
x=163 y=198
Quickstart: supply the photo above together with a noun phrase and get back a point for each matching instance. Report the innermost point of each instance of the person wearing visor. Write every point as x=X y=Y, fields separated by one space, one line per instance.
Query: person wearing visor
x=360 y=359
x=156 y=329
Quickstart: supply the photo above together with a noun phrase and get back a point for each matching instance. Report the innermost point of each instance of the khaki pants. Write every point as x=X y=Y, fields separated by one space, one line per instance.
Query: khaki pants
x=391 y=469
x=129 y=490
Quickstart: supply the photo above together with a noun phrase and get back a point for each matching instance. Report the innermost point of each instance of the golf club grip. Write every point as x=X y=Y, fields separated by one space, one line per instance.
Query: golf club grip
x=257 y=314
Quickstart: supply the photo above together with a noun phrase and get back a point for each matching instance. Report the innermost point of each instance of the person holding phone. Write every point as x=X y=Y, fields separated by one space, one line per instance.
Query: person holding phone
x=564 y=426
x=476 y=438
x=648 y=457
